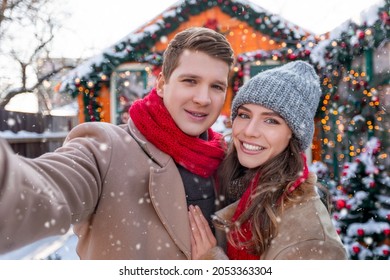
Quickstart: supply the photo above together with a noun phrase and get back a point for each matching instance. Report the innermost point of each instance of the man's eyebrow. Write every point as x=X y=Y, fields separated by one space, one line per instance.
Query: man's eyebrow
x=193 y=76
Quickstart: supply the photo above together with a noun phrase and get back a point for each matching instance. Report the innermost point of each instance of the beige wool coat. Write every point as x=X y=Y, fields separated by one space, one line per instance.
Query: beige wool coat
x=124 y=197
x=305 y=232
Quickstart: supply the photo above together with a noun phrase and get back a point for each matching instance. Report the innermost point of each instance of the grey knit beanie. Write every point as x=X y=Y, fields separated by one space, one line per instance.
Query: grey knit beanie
x=292 y=90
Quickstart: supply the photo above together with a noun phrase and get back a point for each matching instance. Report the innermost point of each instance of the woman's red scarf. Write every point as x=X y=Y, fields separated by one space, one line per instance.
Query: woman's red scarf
x=242 y=253
x=153 y=120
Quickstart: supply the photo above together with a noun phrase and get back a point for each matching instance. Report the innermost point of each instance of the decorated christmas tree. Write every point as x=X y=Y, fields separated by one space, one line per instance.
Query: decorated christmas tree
x=362 y=205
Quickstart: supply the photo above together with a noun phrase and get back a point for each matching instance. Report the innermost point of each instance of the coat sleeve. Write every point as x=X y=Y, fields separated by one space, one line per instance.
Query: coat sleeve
x=313 y=250
x=43 y=196
x=215 y=253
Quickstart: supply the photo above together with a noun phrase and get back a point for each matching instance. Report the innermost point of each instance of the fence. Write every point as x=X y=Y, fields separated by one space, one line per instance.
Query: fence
x=31 y=135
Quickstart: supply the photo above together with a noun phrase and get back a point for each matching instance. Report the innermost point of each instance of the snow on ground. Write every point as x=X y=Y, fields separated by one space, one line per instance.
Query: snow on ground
x=55 y=248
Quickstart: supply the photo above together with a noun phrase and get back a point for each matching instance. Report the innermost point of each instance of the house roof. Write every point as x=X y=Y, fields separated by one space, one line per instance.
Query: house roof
x=136 y=46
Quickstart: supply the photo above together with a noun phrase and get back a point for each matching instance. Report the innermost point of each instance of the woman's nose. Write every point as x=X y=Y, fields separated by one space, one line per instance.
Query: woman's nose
x=252 y=129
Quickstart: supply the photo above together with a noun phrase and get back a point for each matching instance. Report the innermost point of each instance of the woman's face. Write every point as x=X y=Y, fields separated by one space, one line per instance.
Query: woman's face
x=259 y=134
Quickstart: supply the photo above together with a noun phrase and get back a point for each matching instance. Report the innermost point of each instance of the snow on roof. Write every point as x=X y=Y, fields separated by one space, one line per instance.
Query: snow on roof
x=84 y=70
x=368 y=16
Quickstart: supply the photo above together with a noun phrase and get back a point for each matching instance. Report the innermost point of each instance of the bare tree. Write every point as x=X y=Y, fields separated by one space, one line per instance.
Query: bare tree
x=27 y=29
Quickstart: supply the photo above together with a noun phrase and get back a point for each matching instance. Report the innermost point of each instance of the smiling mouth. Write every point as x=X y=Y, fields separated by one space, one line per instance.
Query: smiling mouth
x=197 y=115
x=253 y=148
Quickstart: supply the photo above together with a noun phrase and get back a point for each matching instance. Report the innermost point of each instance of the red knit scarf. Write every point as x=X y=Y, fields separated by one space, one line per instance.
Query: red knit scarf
x=153 y=120
x=242 y=253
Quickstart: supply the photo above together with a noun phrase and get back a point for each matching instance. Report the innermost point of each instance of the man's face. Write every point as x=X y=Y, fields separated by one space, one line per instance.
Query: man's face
x=195 y=92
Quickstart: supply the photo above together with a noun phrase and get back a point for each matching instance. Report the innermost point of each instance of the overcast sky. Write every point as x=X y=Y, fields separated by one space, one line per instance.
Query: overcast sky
x=95 y=25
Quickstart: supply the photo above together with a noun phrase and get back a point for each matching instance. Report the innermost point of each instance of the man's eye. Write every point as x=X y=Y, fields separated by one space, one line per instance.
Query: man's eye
x=190 y=81
x=219 y=87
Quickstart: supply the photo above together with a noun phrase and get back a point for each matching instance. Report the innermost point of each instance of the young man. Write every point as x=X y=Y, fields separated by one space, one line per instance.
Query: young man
x=126 y=188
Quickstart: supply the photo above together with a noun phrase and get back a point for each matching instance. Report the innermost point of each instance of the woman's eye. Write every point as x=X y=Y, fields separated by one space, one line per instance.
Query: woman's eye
x=243 y=116
x=272 y=121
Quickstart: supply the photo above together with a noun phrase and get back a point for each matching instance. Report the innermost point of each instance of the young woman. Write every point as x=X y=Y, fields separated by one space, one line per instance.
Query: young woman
x=273 y=210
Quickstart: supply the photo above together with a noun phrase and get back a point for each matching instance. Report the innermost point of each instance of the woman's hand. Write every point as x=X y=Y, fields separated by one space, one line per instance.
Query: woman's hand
x=202 y=238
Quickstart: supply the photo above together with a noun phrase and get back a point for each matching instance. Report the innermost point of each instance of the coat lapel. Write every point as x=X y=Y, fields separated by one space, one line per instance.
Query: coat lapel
x=167 y=193
x=168 y=197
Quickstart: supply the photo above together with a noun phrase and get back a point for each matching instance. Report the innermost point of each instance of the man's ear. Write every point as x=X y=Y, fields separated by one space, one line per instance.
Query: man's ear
x=160 y=84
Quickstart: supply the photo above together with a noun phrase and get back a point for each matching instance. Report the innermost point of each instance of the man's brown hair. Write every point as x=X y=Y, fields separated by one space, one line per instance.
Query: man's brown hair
x=199 y=39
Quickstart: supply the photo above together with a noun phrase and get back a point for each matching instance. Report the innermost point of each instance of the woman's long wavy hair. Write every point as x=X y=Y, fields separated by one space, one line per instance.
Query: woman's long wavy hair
x=276 y=175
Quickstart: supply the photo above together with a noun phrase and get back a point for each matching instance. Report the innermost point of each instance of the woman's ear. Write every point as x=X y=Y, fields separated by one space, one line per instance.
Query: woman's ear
x=160 y=84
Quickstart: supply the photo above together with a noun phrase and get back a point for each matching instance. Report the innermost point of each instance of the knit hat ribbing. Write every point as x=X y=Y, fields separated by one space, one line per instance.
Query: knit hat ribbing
x=292 y=90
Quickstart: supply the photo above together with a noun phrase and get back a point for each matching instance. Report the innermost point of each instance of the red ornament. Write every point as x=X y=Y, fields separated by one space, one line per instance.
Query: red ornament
x=360 y=232
x=307 y=52
x=258 y=21
x=292 y=56
x=385 y=17
x=156 y=70
x=356 y=249
x=211 y=24
x=360 y=34
x=258 y=56
x=387 y=231
x=340 y=204
x=386 y=252
x=372 y=184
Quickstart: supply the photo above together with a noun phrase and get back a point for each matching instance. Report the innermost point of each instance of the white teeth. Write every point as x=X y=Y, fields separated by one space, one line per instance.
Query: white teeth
x=198 y=115
x=252 y=147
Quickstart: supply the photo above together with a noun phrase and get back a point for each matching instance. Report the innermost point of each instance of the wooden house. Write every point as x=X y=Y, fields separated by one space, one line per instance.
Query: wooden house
x=108 y=83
